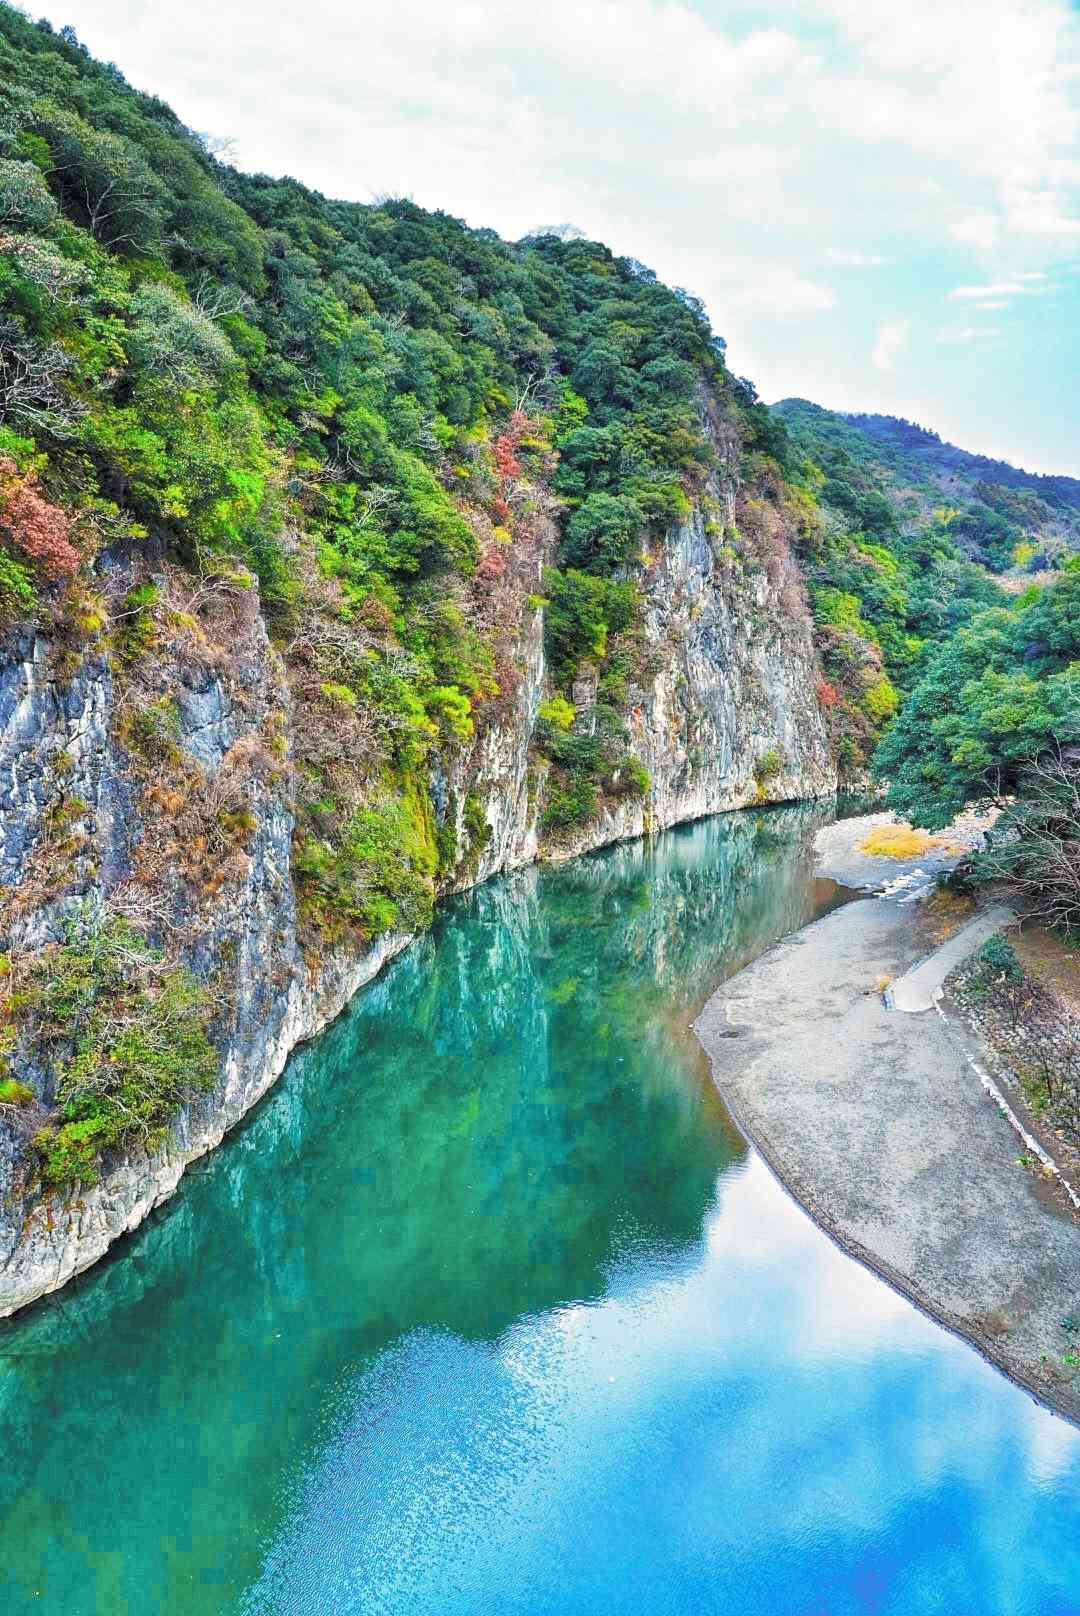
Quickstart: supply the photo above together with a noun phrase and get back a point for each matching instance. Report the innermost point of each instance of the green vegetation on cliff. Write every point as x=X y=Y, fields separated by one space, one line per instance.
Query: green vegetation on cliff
x=372 y=408
x=120 y=1037
x=887 y=578
x=397 y=438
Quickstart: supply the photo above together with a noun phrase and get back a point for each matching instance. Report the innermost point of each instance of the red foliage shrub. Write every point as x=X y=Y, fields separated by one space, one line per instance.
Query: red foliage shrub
x=40 y=530
x=827 y=694
x=491 y=565
x=376 y=616
x=506 y=462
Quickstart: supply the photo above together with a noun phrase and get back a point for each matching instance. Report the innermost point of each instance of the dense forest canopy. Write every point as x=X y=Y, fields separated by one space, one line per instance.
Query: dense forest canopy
x=364 y=408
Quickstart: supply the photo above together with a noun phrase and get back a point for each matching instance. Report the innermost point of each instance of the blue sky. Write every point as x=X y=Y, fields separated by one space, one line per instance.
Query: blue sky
x=879 y=200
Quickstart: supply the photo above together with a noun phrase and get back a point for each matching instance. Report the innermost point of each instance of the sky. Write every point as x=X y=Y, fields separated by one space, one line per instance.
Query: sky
x=878 y=200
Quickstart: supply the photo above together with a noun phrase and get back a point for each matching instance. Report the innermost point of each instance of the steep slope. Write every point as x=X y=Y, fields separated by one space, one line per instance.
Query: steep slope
x=347 y=557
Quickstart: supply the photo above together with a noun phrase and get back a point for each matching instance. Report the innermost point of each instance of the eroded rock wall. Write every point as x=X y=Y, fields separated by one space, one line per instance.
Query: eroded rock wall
x=731 y=716
x=727 y=716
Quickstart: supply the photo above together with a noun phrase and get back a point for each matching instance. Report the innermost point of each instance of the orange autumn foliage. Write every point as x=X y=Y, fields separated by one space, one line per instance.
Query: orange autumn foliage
x=40 y=530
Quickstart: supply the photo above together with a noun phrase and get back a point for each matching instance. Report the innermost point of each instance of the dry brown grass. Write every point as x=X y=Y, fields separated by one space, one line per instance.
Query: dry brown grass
x=941 y=914
x=1015 y=583
x=1051 y=960
x=902 y=842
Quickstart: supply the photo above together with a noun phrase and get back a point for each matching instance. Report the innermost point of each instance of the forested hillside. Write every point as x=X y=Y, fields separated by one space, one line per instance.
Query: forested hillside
x=1004 y=518
x=292 y=493
x=904 y=444
x=888 y=577
x=918 y=533
x=349 y=554
x=368 y=407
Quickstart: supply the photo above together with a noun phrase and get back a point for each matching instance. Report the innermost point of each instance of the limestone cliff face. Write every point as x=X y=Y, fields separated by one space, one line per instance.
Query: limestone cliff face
x=726 y=716
x=731 y=716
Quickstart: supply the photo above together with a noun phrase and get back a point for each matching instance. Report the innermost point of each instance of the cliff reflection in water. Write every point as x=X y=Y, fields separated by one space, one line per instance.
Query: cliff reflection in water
x=508 y=1110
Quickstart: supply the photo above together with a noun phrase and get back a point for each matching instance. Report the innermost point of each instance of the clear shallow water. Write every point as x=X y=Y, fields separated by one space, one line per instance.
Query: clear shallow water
x=488 y=1310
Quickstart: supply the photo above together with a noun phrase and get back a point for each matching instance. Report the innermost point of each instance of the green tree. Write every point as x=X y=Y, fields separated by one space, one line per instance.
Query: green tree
x=604 y=533
x=984 y=709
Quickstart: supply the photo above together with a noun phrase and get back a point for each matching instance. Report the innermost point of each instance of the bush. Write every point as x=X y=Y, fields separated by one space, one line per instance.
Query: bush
x=452 y=708
x=881 y=700
x=839 y=609
x=998 y=956
x=557 y=711
x=175 y=341
x=575 y=803
x=1034 y=845
x=604 y=533
x=126 y=1038
x=33 y=525
x=340 y=695
x=153 y=732
x=374 y=872
x=637 y=776
x=25 y=199
x=134 y=632
x=582 y=612
x=848 y=754
x=585 y=765
x=768 y=765
x=475 y=821
x=18 y=597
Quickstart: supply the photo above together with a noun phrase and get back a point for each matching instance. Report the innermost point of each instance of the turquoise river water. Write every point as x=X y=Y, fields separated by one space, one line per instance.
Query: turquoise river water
x=489 y=1311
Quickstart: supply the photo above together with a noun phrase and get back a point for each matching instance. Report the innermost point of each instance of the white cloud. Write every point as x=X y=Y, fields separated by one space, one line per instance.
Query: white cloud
x=781 y=294
x=981 y=230
x=1030 y=285
x=985 y=90
x=968 y=333
x=934 y=122
x=991 y=303
x=892 y=339
x=731 y=148
x=847 y=258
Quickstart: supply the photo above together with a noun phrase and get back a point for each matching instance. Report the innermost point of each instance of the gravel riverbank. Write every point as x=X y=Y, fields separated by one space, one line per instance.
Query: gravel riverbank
x=877 y=1123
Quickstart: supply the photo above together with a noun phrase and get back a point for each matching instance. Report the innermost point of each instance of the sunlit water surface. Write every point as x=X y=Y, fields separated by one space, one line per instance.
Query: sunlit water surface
x=488 y=1310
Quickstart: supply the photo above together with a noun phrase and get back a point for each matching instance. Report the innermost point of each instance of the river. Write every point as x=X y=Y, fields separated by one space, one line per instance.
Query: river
x=488 y=1310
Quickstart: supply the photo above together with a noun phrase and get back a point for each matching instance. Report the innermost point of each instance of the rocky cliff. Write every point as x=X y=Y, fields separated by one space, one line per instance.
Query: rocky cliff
x=118 y=774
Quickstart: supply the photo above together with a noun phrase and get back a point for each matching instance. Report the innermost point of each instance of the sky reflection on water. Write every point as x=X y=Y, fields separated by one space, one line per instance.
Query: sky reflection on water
x=488 y=1311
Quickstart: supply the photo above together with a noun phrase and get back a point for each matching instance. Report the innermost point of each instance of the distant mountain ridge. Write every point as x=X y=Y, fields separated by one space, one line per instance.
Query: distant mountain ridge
x=895 y=432
x=999 y=515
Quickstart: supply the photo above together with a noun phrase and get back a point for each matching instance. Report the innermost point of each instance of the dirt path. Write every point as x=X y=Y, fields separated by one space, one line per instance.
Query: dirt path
x=875 y=1122
x=917 y=989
